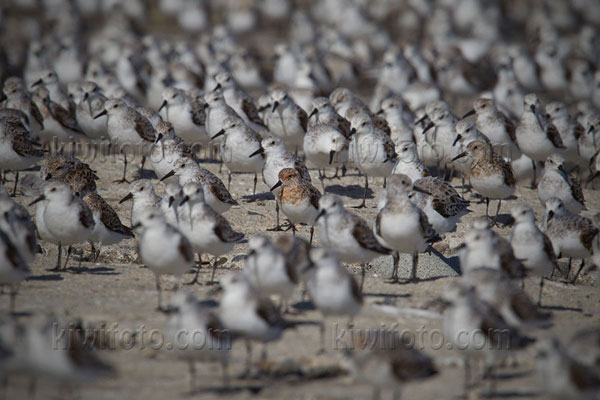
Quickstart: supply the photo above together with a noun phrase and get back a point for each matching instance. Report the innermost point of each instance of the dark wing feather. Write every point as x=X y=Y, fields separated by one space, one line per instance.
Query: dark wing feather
x=582 y=377
x=355 y=288
x=302 y=170
x=224 y=231
x=251 y=112
x=144 y=128
x=111 y=220
x=549 y=250
x=382 y=124
x=579 y=131
x=315 y=195
x=553 y=135
x=198 y=114
x=85 y=216
x=303 y=117
x=64 y=117
x=26 y=148
x=268 y=312
x=185 y=249
x=36 y=114
x=344 y=126
x=509 y=126
x=576 y=190
x=220 y=191
x=365 y=237
x=587 y=232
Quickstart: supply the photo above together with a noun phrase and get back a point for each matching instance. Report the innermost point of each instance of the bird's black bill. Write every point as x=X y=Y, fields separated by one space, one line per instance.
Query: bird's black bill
x=168 y=175
x=275 y=186
x=42 y=197
x=129 y=196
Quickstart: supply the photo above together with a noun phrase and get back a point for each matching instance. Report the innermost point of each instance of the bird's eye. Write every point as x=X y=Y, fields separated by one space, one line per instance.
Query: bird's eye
x=477 y=237
x=53 y=190
x=523 y=212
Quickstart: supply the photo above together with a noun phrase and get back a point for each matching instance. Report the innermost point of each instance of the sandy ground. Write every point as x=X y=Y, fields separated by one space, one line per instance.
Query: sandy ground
x=118 y=290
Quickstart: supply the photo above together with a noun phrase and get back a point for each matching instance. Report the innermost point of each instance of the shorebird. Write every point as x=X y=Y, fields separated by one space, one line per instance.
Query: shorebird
x=207 y=230
x=531 y=246
x=371 y=150
x=490 y=175
x=207 y=338
x=277 y=157
x=348 y=235
x=66 y=217
x=269 y=270
x=332 y=289
x=13 y=268
x=562 y=377
x=127 y=126
x=163 y=249
x=477 y=329
x=287 y=120
x=572 y=235
x=186 y=114
x=298 y=199
x=241 y=102
x=239 y=143
x=108 y=228
x=245 y=312
x=384 y=359
x=144 y=199
x=216 y=194
x=401 y=225
x=556 y=181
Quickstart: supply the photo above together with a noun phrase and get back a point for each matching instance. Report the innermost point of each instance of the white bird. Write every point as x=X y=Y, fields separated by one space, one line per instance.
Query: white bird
x=333 y=290
x=163 y=249
x=66 y=217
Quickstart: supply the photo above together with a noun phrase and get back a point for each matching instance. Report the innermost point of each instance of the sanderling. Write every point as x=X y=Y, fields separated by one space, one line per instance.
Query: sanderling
x=494 y=124
x=17 y=150
x=439 y=200
x=126 y=126
x=246 y=313
x=385 y=359
x=242 y=103
x=561 y=376
x=186 y=114
x=13 y=268
x=504 y=294
x=348 y=235
x=408 y=162
x=16 y=222
x=589 y=142
x=399 y=118
x=569 y=130
x=269 y=271
x=144 y=199
x=325 y=146
x=163 y=249
x=277 y=157
x=298 y=199
x=18 y=98
x=91 y=105
x=444 y=134
x=108 y=228
x=371 y=149
x=216 y=194
x=571 y=235
x=536 y=135
x=58 y=122
x=531 y=246
x=485 y=248
x=207 y=230
x=332 y=289
x=66 y=217
x=50 y=81
x=477 y=329
x=490 y=175
x=206 y=338
x=401 y=225
x=556 y=181
x=287 y=120
x=167 y=149
x=217 y=112
x=324 y=113
x=584 y=346
x=172 y=196
x=239 y=143
x=37 y=352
